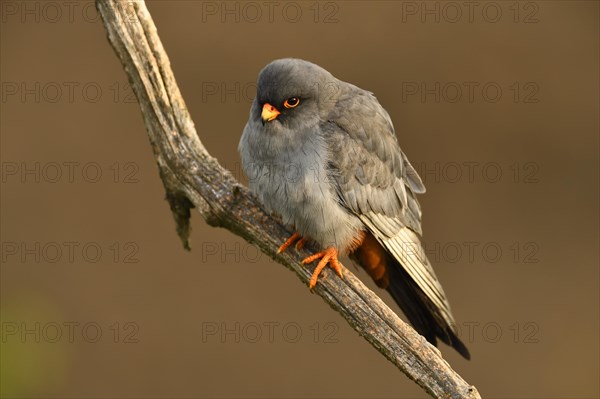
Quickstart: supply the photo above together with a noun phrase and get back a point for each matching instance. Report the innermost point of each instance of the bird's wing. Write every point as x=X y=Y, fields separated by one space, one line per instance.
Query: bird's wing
x=375 y=181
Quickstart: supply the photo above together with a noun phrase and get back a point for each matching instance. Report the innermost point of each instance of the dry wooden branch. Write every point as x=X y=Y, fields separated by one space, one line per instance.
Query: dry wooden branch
x=193 y=179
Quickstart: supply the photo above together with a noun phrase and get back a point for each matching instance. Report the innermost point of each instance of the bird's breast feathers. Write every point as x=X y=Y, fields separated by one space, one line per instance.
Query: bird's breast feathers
x=296 y=185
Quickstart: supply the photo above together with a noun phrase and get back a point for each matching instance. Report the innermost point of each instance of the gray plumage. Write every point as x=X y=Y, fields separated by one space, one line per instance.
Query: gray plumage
x=332 y=167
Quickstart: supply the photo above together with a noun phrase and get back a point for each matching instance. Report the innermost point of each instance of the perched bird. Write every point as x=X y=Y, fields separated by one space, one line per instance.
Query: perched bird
x=322 y=154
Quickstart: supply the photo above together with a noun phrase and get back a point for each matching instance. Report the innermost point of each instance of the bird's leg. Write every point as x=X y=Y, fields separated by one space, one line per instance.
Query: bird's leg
x=328 y=256
x=290 y=241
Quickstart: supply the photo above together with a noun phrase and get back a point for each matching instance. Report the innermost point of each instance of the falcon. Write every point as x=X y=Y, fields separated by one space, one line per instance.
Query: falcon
x=322 y=154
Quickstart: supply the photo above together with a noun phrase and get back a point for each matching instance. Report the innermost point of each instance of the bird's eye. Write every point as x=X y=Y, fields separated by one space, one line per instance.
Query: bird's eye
x=291 y=102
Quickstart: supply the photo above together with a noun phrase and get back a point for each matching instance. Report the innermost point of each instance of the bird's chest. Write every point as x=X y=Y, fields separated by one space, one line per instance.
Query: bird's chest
x=295 y=184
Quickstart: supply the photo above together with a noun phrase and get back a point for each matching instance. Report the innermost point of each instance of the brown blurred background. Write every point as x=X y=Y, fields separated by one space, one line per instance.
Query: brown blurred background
x=496 y=105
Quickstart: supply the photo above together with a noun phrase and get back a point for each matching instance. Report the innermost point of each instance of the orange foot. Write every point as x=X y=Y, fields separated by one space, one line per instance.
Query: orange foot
x=290 y=241
x=328 y=256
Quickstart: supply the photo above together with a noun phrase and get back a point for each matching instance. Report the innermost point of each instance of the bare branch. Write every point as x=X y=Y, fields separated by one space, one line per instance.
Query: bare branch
x=193 y=179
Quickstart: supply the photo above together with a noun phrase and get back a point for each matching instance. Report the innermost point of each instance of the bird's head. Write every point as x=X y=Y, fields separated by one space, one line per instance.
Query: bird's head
x=293 y=94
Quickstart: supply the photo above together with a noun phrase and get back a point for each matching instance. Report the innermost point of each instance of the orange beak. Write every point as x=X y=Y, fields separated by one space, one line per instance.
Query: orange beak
x=269 y=112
